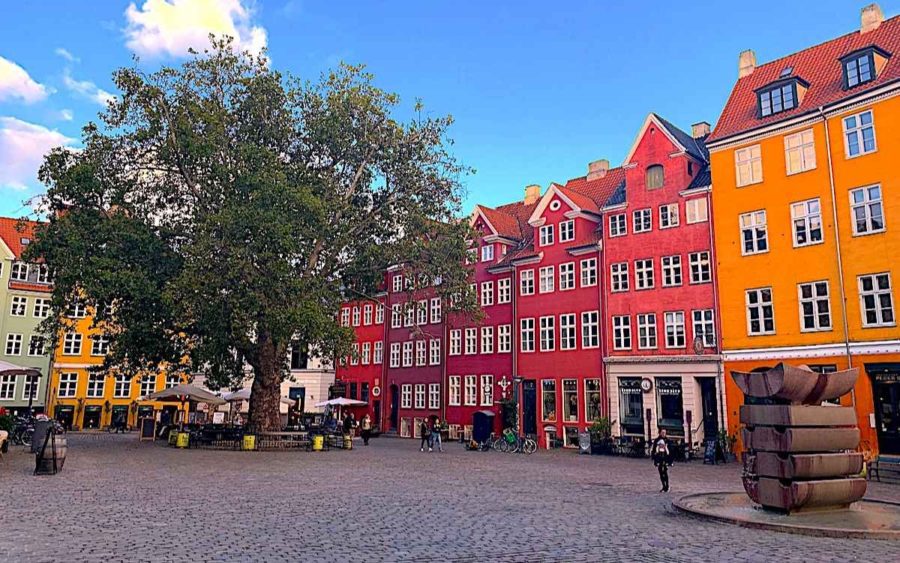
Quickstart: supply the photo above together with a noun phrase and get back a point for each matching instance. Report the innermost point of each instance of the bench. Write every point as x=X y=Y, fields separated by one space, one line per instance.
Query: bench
x=283 y=441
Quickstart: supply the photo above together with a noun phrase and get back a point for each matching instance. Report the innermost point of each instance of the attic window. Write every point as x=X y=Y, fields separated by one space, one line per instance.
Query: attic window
x=778 y=97
x=654 y=176
x=555 y=205
x=25 y=241
x=862 y=66
x=786 y=72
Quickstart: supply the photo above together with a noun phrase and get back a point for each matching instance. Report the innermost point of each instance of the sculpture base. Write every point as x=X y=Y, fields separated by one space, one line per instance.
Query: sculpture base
x=863 y=519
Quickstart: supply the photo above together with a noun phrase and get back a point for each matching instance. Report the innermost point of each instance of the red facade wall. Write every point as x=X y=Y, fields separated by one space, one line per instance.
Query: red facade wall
x=357 y=374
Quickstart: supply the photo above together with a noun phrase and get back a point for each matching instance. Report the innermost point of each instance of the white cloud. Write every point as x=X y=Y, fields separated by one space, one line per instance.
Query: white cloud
x=170 y=27
x=67 y=55
x=16 y=83
x=22 y=149
x=87 y=89
x=66 y=115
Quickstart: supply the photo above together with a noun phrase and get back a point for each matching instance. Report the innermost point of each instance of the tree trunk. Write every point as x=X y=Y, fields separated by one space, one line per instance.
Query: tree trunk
x=265 y=395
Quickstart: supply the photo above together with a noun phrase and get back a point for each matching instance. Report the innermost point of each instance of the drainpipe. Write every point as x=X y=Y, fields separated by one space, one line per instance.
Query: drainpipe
x=445 y=391
x=837 y=249
x=518 y=388
x=602 y=327
x=720 y=365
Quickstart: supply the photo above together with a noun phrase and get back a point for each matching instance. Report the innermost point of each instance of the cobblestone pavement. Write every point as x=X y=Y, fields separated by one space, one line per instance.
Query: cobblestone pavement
x=121 y=500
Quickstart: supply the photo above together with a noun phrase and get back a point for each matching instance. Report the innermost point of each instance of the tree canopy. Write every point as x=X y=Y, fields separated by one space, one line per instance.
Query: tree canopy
x=220 y=211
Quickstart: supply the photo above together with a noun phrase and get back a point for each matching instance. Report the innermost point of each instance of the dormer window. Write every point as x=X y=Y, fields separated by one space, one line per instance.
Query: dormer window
x=778 y=97
x=546 y=235
x=862 y=66
x=654 y=176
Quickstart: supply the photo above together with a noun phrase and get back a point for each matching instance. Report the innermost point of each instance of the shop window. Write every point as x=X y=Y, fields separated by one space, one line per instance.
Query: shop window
x=631 y=406
x=671 y=415
x=570 y=400
x=592 y=398
x=570 y=436
x=548 y=400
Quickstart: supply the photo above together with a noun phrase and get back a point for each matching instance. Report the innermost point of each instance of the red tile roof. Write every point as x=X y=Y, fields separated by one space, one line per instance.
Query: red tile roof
x=12 y=231
x=582 y=201
x=820 y=67
x=598 y=189
x=510 y=220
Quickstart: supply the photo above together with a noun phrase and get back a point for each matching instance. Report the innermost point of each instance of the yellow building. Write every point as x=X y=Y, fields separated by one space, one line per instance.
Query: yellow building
x=806 y=206
x=81 y=397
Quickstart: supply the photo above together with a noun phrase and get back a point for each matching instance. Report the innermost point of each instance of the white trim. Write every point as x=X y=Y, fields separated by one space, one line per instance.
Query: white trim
x=651 y=118
x=696 y=191
x=582 y=215
x=477 y=212
x=536 y=217
x=813 y=351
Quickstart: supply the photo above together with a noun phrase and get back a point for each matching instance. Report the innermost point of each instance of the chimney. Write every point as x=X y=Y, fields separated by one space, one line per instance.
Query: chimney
x=700 y=129
x=870 y=18
x=746 y=63
x=597 y=169
x=532 y=193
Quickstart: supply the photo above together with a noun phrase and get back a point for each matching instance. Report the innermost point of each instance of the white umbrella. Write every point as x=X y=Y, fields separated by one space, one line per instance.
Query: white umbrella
x=341 y=402
x=186 y=392
x=7 y=368
x=244 y=395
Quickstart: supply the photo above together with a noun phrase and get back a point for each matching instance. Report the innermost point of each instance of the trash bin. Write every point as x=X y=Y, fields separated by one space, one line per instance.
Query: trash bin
x=173 y=437
x=249 y=443
x=40 y=435
x=348 y=442
x=183 y=440
x=318 y=443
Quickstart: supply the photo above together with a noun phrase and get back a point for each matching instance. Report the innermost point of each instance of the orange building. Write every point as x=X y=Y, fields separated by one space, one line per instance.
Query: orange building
x=806 y=205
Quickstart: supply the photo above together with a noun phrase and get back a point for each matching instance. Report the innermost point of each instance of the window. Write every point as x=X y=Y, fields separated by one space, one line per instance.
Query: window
x=435 y=310
x=345 y=316
x=36 y=345
x=41 y=308
x=487 y=390
x=760 y=313
x=548 y=400
x=471 y=389
x=487 y=293
x=546 y=283
x=68 y=383
x=646 y=324
x=643 y=273
x=696 y=211
x=409 y=314
x=487 y=253
x=617 y=225
x=548 y=334
x=406 y=396
x=148 y=384
x=858 y=69
x=78 y=310
x=642 y=220
x=397 y=281
x=526 y=282
x=669 y=397
x=865 y=207
x=654 y=176
x=876 y=300
x=567 y=331
x=13 y=344
x=99 y=345
x=18 y=306
x=671 y=269
x=366 y=353
x=172 y=381
x=674 y=329
x=807 y=222
x=471 y=341
x=72 y=344
x=434 y=396
x=355 y=315
x=96 y=384
x=668 y=216
x=407 y=354
x=567 y=230
x=799 y=152
x=378 y=352
x=7 y=387
x=570 y=400
x=434 y=351
x=704 y=327
x=526 y=336
x=30 y=388
x=859 y=134
x=748 y=166
x=19 y=271
x=396 y=316
x=504 y=295
x=455 y=390
x=778 y=99
x=619 y=276
x=592 y=399
x=354 y=354
x=487 y=340
x=700 y=268
x=590 y=329
x=815 y=309
x=455 y=342
x=621 y=332
x=379 y=314
x=754 y=233
x=420 y=396
x=121 y=387
x=546 y=235
x=422 y=312
x=588 y=272
x=421 y=353
x=367 y=315
x=395 y=355
x=567 y=276
x=504 y=338
x=631 y=406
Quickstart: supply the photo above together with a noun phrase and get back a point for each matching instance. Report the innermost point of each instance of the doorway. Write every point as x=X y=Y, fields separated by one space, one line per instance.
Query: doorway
x=710 y=405
x=395 y=407
x=91 y=417
x=886 y=392
x=529 y=407
x=65 y=415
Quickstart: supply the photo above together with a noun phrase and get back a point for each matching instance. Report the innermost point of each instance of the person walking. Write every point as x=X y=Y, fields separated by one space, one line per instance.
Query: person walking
x=436 y=435
x=659 y=453
x=366 y=429
x=425 y=434
x=348 y=425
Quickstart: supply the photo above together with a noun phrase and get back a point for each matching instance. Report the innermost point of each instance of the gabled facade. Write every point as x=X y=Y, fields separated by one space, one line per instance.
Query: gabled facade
x=806 y=207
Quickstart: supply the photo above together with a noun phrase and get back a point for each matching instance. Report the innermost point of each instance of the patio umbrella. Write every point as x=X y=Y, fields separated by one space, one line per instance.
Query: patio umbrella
x=186 y=392
x=7 y=368
x=244 y=395
x=341 y=402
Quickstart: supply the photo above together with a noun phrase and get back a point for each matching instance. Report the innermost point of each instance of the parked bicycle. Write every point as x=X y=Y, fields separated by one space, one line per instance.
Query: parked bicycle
x=23 y=431
x=510 y=442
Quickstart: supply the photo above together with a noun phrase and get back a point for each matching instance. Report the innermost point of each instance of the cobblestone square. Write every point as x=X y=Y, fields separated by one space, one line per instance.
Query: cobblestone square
x=121 y=500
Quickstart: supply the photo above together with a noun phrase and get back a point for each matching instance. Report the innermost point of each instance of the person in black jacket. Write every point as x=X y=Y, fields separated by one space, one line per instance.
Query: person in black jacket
x=425 y=433
x=659 y=453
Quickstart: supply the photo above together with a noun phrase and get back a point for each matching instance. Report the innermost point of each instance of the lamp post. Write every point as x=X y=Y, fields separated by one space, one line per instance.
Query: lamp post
x=517 y=384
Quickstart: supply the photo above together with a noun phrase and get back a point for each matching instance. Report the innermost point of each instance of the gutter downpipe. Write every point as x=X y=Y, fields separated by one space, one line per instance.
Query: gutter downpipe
x=837 y=249
x=720 y=365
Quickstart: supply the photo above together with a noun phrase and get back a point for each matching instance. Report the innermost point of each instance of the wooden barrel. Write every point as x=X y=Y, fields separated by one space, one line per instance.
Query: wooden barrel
x=44 y=464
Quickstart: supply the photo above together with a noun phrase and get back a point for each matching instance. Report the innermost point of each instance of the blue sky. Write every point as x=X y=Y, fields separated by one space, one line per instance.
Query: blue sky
x=537 y=89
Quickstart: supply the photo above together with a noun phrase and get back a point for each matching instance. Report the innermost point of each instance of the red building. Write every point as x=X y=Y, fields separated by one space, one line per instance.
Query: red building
x=360 y=374
x=659 y=297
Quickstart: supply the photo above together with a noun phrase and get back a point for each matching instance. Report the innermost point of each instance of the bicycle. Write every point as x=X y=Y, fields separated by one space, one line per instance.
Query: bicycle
x=510 y=442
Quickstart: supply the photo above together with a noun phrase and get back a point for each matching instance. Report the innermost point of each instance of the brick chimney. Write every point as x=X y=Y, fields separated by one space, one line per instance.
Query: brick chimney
x=746 y=63
x=870 y=18
x=700 y=129
x=597 y=169
x=532 y=193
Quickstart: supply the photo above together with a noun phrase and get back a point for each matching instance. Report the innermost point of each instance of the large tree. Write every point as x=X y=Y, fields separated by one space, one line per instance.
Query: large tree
x=220 y=211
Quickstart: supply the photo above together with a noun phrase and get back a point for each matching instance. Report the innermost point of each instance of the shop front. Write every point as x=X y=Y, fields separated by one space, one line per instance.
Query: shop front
x=886 y=393
x=91 y=418
x=65 y=415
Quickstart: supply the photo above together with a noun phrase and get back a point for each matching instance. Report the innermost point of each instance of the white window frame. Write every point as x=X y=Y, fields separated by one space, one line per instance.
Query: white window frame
x=487 y=390
x=750 y=221
x=799 y=152
x=668 y=216
x=547 y=279
x=394 y=358
x=455 y=394
x=567 y=276
x=504 y=290
x=366 y=354
x=642 y=220
x=354 y=354
x=588 y=272
x=696 y=211
x=396 y=315
x=806 y=216
x=378 y=352
x=397 y=283
x=406 y=396
x=379 y=314
x=676 y=333
x=547 y=333
x=696 y=264
x=748 y=166
x=568 y=331
x=72 y=344
x=422 y=312
x=96 y=386
x=99 y=345
x=367 y=314
x=618 y=225
x=8 y=387
x=407 y=354
x=567 y=230
x=526 y=335
x=672 y=273
x=618 y=277
x=487 y=293
x=590 y=329
x=14 y=341
x=868 y=204
x=644 y=276
x=434 y=396
x=455 y=342
x=355 y=315
x=504 y=339
x=703 y=326
x=621 y=327
x=41 y=308
x=18 y=306
x=814 y=300
x=121 y=386
x=68 y=385
x=420 y=394
x=857 y=132
x=877 y=293
x=487 y=253
x=434 y=352
x=760 y=307
x=545 y=235
x=470 y=391
x=421 y=353
x=471 y=341
x=526 y=282
x=435 y=313
x=646 y=330
x=31 y=346
x=487 y=340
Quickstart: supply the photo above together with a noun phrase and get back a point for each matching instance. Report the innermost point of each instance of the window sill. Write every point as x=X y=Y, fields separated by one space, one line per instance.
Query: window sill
x=700 y=282
x=766 y=251
x=869 y=233
x=754 y=334
x=748 y=184
x=815 y=243
x=800 y=171
x=852 y=156
x=884 y=325
x=816 y=330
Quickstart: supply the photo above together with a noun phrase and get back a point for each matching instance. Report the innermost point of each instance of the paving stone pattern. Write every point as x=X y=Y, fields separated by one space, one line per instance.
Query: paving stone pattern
x=122 y=500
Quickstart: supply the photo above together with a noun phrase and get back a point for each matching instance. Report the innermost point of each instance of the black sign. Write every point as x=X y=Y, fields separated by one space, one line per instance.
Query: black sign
x=339 y=389
x=148 y=429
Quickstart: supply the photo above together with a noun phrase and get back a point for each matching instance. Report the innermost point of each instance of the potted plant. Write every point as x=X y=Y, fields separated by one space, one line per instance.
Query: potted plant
x=601 y=435
x=727 y=442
